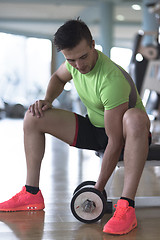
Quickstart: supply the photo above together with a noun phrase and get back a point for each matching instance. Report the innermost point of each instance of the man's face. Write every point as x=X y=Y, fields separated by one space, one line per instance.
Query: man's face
x=82 y=57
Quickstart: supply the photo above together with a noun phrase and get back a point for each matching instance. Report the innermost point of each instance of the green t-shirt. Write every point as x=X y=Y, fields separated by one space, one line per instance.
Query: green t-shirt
x=105 y=87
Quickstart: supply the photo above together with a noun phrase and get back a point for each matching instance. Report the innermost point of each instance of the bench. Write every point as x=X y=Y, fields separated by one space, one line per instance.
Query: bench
x=153 y=159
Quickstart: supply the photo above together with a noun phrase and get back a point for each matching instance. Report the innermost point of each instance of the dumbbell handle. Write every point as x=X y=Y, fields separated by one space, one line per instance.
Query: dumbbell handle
x=88 y=206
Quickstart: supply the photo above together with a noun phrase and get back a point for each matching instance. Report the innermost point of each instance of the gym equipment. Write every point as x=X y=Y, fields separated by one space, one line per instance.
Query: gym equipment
x=153 y=159
x=137 y=68
x=15 y=110
x=88 y=204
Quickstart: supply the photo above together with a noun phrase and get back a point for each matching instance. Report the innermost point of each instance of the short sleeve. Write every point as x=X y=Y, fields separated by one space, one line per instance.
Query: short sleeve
x=114 y=91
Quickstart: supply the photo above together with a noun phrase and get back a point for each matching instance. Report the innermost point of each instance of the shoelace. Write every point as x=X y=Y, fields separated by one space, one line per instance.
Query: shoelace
x=119 y=213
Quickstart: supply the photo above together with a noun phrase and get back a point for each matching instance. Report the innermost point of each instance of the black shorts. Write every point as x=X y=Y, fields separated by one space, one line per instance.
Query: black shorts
x=90 y=137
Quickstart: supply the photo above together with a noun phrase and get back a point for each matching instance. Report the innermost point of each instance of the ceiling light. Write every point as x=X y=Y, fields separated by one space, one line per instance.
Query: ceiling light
x=136 y=7
x=139 y=57
x=120 y=17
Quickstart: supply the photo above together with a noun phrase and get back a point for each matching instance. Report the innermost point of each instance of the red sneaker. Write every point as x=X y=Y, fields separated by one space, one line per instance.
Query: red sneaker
x=123 y=220
x=23 y=201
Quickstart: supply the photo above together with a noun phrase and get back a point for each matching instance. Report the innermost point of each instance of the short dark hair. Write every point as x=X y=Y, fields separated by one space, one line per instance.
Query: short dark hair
x=71 y=33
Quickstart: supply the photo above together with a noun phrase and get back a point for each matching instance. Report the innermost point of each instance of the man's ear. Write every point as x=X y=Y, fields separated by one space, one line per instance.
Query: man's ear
x=93 y=44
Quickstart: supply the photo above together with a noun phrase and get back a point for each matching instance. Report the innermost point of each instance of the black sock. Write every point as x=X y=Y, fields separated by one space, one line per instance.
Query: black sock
x=131 y=202
x=33 y=190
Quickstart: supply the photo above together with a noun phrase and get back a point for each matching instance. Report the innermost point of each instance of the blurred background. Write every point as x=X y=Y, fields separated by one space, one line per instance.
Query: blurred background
x=126 y=30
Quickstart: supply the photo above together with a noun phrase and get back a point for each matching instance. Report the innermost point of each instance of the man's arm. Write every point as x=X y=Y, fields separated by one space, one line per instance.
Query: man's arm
x=54 y=89
x=114 y=129
x=57 y=83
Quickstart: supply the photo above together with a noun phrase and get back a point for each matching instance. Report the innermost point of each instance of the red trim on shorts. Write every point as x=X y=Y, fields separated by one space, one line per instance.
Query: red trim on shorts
x=76 y=133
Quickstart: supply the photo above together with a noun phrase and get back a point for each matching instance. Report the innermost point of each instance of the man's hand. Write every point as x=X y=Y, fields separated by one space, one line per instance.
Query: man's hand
x=39 y=107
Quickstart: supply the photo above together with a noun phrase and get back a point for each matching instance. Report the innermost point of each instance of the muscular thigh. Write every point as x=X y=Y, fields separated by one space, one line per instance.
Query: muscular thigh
x=57 y=122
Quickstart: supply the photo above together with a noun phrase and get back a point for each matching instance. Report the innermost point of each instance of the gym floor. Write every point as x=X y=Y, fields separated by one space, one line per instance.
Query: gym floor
x=63 y=168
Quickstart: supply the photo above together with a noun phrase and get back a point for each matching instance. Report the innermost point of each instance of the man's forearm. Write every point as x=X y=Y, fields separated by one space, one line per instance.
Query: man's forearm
x=109 y=162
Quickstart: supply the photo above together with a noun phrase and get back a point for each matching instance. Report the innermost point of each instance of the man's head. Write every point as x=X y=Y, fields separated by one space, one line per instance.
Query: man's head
x=71 y=33
x=75 y=41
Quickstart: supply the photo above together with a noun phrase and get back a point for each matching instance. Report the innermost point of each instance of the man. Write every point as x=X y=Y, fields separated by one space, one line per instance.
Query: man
x=116 y=120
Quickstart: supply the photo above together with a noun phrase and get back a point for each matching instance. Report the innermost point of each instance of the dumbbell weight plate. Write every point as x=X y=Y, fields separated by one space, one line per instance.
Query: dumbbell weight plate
x=88 y=183
x=84 y=184
x=91 y=194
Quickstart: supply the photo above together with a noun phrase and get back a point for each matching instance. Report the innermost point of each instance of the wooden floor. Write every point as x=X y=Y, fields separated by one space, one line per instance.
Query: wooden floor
x=62 y=170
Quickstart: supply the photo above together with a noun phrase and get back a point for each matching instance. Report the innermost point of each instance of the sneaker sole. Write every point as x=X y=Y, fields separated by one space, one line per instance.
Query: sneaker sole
x=32 y=207
x=134 y=225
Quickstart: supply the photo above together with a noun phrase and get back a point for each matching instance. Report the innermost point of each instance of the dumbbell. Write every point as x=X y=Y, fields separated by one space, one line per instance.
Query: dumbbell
x=88 y=204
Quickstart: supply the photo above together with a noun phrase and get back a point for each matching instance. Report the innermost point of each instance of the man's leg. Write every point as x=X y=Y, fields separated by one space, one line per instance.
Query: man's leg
x=136 y=127
x=57 y=122
x=136 y=133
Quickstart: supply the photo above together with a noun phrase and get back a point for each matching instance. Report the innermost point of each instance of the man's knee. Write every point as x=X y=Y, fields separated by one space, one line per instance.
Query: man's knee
x=136 y=121
x=30 y=121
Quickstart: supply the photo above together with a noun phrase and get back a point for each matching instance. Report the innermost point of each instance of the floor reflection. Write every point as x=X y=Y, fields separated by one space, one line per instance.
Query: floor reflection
x=88 y=232
x=24 y=225
x=95 y=232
